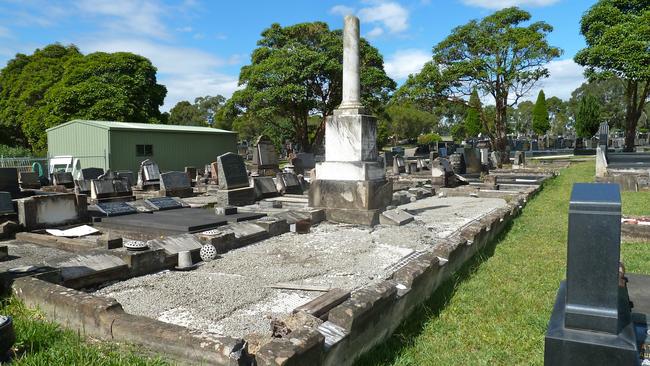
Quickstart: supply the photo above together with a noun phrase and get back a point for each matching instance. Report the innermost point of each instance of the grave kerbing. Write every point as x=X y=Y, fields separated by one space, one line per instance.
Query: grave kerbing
x=351 y=184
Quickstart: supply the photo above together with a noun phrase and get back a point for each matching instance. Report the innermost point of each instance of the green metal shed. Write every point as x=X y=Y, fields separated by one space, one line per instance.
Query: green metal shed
x=123 y=145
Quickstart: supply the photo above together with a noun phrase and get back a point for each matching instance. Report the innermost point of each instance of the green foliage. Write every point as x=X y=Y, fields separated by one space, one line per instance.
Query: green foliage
x=296 y=72
x=540 y=115
x=429 y=139
x=14 y=152
x=185 y=113
x=495 y=55
x=610 y=94
x=522 y=117
x=58 y=84
x=587 y=120
x=617 y=33
x=404 y=120
x=558 y=115
x=40 y=342
x=473 y=125
x=458 y=132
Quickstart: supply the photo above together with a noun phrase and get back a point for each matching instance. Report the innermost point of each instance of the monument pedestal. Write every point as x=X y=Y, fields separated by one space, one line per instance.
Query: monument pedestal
x=235 y=197
x=576 y=347
x=351 y=201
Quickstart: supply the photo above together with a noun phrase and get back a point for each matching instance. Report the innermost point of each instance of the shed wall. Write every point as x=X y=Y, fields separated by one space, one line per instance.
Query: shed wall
x=171 y=150
x=83 y=141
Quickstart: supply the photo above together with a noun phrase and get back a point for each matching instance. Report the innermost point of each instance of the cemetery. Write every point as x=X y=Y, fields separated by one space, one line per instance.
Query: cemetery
x=172 y=244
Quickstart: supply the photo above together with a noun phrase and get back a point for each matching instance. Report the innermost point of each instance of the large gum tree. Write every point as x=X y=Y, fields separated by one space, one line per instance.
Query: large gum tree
x=498 y=55
x=617 y=33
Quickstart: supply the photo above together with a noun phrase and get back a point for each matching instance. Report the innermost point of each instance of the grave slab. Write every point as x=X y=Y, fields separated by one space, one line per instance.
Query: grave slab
x=395 y=217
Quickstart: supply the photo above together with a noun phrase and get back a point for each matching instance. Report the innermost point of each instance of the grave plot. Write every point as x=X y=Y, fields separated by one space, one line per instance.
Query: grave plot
x=237 y=294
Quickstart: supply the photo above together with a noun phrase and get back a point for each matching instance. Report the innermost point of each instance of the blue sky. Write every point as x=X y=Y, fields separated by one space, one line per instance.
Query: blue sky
x=199 y=46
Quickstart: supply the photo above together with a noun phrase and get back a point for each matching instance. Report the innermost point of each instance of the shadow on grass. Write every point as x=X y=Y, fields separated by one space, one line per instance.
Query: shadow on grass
x=387 y=352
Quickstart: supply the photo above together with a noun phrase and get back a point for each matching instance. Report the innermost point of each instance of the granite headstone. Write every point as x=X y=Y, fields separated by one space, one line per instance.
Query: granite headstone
x=231 y=171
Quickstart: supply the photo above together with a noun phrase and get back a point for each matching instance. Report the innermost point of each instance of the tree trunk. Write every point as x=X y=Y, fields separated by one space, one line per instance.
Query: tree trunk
x=500 y=135
x=630 y=118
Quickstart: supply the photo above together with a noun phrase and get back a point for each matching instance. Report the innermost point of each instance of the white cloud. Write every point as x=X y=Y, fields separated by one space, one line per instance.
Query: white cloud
x=375 y=32
x=402 y=63
x=186 y=72
x=186 y=29
x=565 y=77
x=500 y=4
x=391 y=15
x=341 y=10
x=140 y=17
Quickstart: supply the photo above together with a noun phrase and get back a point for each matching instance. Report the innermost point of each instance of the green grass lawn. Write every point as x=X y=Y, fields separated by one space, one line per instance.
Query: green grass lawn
x=40 y=342
x=495 y=311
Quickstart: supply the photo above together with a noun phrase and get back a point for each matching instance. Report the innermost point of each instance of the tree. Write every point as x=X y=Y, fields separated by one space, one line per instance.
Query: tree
x=617 y=33
x=296 y=72
x=495 y=55
x=206 y=111
x=405 y=120
x=522 y=117
x=610 y=94
x=23 y=85
x=558 y=115
x=429 y=139
x=185 y=113
x=540 y=115
x=117 y=86
x=588 y=117
x=473 y=124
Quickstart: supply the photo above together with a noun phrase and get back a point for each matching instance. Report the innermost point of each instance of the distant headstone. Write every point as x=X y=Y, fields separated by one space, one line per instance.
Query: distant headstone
x=148 y=175
x=472 y=159
x=6 y=206
x=388 y=158
x=265 y=158
x=175 y=184
x=232 y=171
x=485 y=156
x=116 y=208
x=91 y=173
x=163 y=203
x=191 y=173
x=457 y=162
x=29 y=180
x=443 y=152
x=307 y=159
x=265 y=187
x=126 y=176
x=399 y=161
x=291 y=183
x=590 y=323
x=520 y=159
x=63 y=179
x=603 y=134
x=101 y=188
x=82 y=186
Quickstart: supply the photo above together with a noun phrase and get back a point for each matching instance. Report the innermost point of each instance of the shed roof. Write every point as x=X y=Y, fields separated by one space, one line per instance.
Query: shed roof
x=132 y=126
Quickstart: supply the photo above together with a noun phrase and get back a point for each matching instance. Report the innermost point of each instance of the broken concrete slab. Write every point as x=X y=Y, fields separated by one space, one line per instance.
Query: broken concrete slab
x=273 y=225
x=90 y=269
x=45 y=211
x=395 y=217
x=172 y=245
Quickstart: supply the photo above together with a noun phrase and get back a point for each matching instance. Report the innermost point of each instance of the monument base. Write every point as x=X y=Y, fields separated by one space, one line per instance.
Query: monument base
x=351 y=202
x=575 y=347
x=235 y=197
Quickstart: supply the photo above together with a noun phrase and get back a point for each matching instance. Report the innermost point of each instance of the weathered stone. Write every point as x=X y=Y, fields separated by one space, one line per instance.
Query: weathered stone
x=9 y=181
x=273 y=225
x=40 y=212
x=175 y=184
x=6 y=205
x=225 y=210
x=350 y=198
x=291 y=183
x=235 y=197
x=231 y=171
x=63 y=179
x=91 y=173
x=29 y=180
x=395 y=217
x=265 y=187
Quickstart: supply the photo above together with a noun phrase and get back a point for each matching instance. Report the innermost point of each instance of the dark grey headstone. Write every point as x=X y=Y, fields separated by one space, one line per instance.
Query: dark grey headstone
x=163 y=203
x=101 y=188
x=82 y=186
x=63 y=179
x=231 y=171
x=174 y=180
x=291 y=183
x=603 y=134
x=307 y=159
x=6 y=205
x=29 y=180
x=122 y=186
x=91 y=173
x=593 y=257
x=265 y=154
x=591 y=320
x=265 y=187
x=116 y=208
x=9 y=181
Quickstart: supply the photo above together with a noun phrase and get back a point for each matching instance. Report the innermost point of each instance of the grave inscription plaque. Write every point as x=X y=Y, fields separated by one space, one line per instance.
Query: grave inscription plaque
x=115 y=208
x=231 y=171
x=163 y=203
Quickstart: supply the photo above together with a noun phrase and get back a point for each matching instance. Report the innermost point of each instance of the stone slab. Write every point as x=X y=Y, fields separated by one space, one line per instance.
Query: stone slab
x=29 y=180
x=163 y=203
x=236 y=197
x=9 y=181
x=265 y=187
x=172 y=245
x=231 y=171
x=181 y=221
x=115 y=208
x=87 y=264
x=6 y=204
x=395 y=217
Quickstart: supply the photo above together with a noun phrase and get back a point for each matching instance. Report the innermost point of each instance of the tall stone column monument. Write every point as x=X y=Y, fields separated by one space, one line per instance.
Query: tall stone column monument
x=351 y=183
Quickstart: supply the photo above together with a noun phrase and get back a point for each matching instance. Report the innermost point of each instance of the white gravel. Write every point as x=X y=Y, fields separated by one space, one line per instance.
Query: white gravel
x=231 y=295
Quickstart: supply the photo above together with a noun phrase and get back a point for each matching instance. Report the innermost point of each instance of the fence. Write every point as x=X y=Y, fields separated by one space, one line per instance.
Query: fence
x=24 y=164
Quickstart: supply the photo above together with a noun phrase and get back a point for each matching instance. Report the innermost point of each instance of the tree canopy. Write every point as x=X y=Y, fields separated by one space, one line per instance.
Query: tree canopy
x=58 y=83
x=204 y=112
x=296 y=72
x=617 y=33
x=587 y=117
x=473 y=124
x=540 y=115
x=497 y=55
